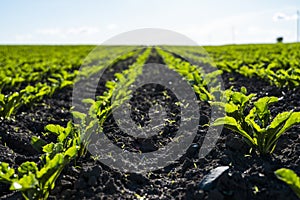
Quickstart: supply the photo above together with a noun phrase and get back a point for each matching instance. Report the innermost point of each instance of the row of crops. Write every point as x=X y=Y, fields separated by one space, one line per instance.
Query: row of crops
x=32 y=73
x=278 y=64
x=36 y=75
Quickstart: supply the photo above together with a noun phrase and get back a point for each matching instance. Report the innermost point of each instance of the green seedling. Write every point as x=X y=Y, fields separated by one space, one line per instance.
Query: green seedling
x=36 y=182
x=289 y=177
x=257 y=127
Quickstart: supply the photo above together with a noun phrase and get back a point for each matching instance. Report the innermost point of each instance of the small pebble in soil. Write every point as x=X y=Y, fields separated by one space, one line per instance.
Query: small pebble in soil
x=209 y=181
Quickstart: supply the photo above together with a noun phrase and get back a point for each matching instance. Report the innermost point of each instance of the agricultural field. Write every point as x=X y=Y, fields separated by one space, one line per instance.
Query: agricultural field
x=45 y=134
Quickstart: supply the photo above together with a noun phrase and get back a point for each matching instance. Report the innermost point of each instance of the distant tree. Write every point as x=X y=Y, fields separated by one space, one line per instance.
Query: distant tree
x=279 y=39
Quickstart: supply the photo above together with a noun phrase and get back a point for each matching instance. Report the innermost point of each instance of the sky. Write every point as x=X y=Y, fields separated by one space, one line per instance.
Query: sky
x=207 y=22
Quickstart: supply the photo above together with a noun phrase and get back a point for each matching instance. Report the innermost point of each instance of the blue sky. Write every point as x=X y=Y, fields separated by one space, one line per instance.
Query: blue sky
x=208 y=22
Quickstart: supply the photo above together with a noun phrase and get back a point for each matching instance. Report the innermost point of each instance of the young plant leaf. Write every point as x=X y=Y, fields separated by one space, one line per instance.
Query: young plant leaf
x=26 y=168
x=231 y=123
x=26 y=182
x=6 y=173
x=38 y=143
x=290 y=178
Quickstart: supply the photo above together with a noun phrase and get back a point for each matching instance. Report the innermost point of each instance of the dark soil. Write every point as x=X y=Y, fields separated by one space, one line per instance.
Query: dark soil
x=88 y=178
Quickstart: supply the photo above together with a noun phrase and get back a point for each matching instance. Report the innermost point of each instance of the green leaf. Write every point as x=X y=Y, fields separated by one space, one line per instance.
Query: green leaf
x=7 y=174
x=58 y=76
x=292 y=120
x=290 y=178
x=277 y=124
x=197 y=78
x=212 y=77
x=38 y=143
x=263 y=103
x=231 y=108
x=62 y=137
x=238 y=98
x=66 y=83
x=52 y=80
x=2 y=99
x=69 y=128
x=92 y=124
x=26 y=168
x=120 y=77
x=88 y=100
x=53 y=148
x=51 y=167
x=26 y=182
x=13 y=101
x=29 y=89
x=244 y=90
x=231 y=123
x=253 y=124
x=48 y=148
x=79 y=115
x=71 y=152
x=110 y=85
x=56 y=129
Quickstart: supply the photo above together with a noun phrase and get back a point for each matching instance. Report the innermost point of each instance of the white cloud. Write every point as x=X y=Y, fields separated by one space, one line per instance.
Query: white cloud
x=284 y=17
